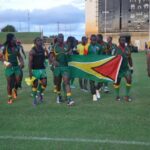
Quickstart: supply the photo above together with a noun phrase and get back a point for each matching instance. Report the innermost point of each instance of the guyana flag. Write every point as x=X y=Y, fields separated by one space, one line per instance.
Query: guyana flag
x=95 y=67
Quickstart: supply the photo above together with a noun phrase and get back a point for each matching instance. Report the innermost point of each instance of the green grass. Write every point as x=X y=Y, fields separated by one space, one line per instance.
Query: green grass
x=106 y=119
x=25 y=37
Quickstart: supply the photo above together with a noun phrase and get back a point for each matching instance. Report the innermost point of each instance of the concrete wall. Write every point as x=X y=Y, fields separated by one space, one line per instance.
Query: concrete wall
x=91 y=16
x=95 y=21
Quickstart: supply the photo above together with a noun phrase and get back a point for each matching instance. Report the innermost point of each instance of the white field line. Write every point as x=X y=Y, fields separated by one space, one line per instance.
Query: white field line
x=79 y=140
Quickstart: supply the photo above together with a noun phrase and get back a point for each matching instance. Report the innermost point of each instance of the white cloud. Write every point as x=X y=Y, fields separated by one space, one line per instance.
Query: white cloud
x=44 y=15
x=37 y=4
x=65 y=14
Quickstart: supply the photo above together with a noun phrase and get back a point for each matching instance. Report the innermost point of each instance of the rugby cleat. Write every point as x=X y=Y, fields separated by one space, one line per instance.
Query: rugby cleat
x=127 y=98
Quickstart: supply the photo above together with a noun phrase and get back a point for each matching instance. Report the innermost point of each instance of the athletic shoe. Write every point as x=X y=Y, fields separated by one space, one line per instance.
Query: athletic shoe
x=127 y=98
x=118 y=98
x=35 y=101
x=10 y=101
x=59 y=99
x=98 y=94
x=106 y=89
x=94 y=98
x=41 y=97
x=70 y=102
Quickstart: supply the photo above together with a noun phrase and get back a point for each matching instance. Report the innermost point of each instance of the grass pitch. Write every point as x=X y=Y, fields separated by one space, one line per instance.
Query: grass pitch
x=102 y=125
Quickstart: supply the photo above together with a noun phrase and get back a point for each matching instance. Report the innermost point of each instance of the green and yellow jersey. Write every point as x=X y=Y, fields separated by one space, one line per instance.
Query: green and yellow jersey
x=61 y=55
x=11 y=54
x=125 y=53
x=94 y=49
x=104 y=47
x=111 y=48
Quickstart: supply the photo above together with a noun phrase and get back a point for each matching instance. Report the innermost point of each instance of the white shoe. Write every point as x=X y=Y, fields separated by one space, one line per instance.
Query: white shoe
x=94 y=98
x=59 y=99
x=98 y=94
x=70 y=103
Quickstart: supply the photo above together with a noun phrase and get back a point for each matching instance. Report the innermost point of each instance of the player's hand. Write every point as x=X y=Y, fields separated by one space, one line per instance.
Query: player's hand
x=7 y=64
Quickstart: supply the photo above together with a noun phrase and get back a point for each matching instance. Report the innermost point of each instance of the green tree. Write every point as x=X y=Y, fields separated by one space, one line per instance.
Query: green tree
x=9 y=28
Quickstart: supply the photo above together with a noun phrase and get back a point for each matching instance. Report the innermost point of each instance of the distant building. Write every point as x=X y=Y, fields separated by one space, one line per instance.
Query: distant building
x=118 y=17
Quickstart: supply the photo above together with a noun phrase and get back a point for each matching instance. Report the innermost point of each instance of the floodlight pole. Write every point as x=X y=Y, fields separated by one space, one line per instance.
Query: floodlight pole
x=105 y=30
x=28 y=21
x=58 y=27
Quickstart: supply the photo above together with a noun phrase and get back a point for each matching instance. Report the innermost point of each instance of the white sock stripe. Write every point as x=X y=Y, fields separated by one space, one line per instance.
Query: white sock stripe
x=80 y=140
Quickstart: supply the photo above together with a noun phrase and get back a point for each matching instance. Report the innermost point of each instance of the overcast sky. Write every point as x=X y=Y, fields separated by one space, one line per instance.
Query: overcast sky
x=44 y=14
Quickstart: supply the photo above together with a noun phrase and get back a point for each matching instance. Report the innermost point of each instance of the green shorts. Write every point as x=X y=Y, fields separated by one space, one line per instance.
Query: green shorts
x=124 y=73
x=16 y=70
x=62 y=71
x=39 y=73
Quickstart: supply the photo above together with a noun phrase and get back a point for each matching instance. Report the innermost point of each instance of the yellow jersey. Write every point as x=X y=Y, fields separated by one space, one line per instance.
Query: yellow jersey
x=148 y=44
x=82 y=49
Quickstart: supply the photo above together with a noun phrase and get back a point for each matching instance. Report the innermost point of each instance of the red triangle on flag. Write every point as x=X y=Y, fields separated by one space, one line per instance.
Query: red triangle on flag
x=110 y=69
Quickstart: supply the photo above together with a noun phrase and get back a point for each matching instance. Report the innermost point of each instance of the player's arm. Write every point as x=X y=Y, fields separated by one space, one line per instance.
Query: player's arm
x=113 y=51
x=30 y=63
x=51 y=55
x=52 y=59
x=78 y=50
x=130 y=62
x=3 y=58
x=68 y=50
x=21 y=61
x=1 y=53
x=46 y=53
x=108 y=49
x=148 y=64
x=23 y=52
